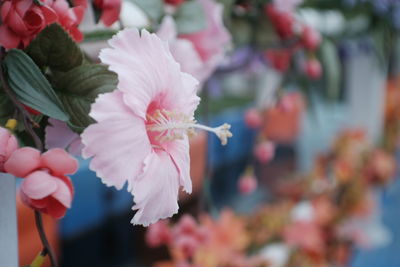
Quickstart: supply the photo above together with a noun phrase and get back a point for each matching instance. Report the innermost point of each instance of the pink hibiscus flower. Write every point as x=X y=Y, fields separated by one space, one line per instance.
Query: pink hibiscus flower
x=45 y=187
x=211 y=42
x=141 y=134
x=181 y=49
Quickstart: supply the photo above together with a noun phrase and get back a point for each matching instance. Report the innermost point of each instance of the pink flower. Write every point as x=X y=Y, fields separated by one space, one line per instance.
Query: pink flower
x=8 y=144
x=253 y=118
x=306 y=235
x=59 y=135
x=158 y=234
x=110 y=10
x=247 y=184
x=46 y=187
x=211 y=42
x=181 y=49
x=188 y=236
x=141 y=134
x=69 y=18
x=264 y=151
x=21 y=21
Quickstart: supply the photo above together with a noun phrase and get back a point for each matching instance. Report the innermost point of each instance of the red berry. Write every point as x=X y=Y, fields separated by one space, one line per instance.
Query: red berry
x=279 y=59
x=313 y=69
x=253 y=118
x=174 y=2
x=271 y=12
x=284 y=25
x=310 y=38
x=31 y=110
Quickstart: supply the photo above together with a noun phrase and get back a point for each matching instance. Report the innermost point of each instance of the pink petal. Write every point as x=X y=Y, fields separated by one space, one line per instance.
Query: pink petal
x=5 y=10
x=63 y=193
x=49 y=14
x=155 y=191
x=141 y=61
x=22 y=6
x=23 y=161
x=167 y=30
x=16 y=23
x=39 y=184
x=118 y=141
x=8 y=38
x=182 y=50
x=212 y=41
x=179 y=151
x=59 y=162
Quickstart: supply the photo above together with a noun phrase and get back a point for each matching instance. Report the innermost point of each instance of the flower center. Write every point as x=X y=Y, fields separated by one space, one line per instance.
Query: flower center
x=164 y=126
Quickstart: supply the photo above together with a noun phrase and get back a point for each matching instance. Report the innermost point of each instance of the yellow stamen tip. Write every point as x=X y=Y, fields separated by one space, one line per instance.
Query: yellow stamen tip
x=11 y=124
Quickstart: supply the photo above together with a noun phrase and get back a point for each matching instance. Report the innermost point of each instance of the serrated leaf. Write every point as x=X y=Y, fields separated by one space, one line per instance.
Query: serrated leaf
x=78 y=89
x=31 y=87
x=54 y=47
x=190 y=17
x=153 y=8
x=332 y=69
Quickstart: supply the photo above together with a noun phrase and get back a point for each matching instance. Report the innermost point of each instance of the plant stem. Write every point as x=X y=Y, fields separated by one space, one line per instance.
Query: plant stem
x=28 y=122
x=47 y=248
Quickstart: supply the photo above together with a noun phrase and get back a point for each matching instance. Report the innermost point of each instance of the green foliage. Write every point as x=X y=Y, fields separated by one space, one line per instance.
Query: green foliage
x=54 y=48
x=31 y=86
x=78 y=89
x=190 y=17
x=332 y=69
x=6 y=108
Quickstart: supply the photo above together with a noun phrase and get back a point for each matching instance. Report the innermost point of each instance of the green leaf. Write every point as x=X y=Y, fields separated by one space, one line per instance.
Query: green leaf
x=54 y=47
x=190 y=17
x=153 y=8
x=78 y=89
x=30 y=85
x=6 y=108
x=332 y=69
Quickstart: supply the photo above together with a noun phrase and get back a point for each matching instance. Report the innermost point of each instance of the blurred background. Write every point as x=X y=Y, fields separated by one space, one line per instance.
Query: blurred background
x=312 y=90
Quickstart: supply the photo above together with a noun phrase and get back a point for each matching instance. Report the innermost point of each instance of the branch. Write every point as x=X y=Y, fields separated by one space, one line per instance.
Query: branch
x=28 y=122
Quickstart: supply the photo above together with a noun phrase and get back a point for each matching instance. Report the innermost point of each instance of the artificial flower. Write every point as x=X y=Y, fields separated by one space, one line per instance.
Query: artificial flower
x=8 y=144
x=212 y=41
x=110 y=10
x=141 y=134
x=22 y=20
x=45 y=187
x=181 y=49
x=158 y=234
x=68 y=17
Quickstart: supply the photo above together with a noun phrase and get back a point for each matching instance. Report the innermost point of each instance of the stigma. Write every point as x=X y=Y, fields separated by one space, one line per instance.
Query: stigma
x=171 y=125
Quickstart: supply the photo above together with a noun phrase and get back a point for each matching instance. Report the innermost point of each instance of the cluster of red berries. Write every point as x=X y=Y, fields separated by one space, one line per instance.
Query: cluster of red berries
x=303 y=36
